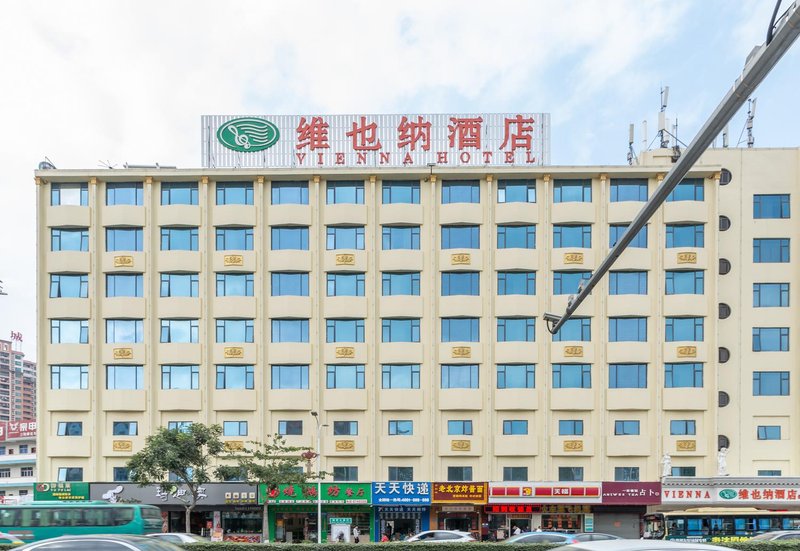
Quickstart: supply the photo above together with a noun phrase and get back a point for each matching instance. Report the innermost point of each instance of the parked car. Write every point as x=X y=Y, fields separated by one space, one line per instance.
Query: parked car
x=179 y=537
x=101 y=543
x=10 y=539
x=441 y=536
x=542 y=537
x=595 y=536
x=778 y=535
x=639 y=545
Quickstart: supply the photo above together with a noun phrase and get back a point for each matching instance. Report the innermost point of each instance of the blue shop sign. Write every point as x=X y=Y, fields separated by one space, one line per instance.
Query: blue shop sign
x=401 y=493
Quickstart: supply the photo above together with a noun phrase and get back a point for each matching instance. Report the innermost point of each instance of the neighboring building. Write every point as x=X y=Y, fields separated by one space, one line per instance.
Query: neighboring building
x=17 y=384
x=17 y=461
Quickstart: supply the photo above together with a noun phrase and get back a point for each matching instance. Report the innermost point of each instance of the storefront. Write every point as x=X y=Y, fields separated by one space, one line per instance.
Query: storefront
x=727 y=491
x=624 y=506
x=459 y=506
x=402 y=509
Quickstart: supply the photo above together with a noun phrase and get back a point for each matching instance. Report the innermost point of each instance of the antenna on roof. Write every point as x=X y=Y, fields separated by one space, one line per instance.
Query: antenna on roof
x=631 y=153
x=751 y=114
x=107 y=164
x=662 y=122
x=725 y=137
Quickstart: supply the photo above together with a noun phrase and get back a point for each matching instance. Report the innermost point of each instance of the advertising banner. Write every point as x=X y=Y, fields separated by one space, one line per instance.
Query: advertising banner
x=345 y=493
x=208 y=494
x=17 y=429
x=459 y=492
x=555 y=492
x=632 y=493
x=398 y=493
x=61 y=491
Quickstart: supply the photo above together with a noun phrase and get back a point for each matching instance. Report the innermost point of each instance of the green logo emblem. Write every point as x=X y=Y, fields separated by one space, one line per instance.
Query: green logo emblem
x=727 y=494
x=248 y=134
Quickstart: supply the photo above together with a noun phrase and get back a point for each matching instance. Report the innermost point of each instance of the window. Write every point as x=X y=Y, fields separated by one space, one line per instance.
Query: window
x=516 y=329
x=179 y=239
x=69 y=331
x=770 y=250
x=460 y=191
x=345 y=237
x=124 y=285
x=516 y=283
x=515 y=427
x=234 y=330
x=289 y=330
x=626 y=283
x=570 y=427
x=572 y=376
x=290 y=193
x=459 y=427
x=177 y=330
x=769 y=432
x=401 y=474
x=684 y=329
x=461 y=237
x=345 y=428
x=770 y=383
x=683 y=427
x=690 y=189
x=235 y=377
x=627 y=376
x=69 y=285
x=572 y=191
x=234 y=428
x=286 y=238
x=123 y=239
x=345 y=192
x=400 y=330
x=771 y=206
x=516 y=236
x=69 y=194
x=768 y=294
x=68 y=239
x=460 y=329
x=683 y=375
x=459 y=474
x=769 y=472
x=400 y=237
x=626 y=474
x=345 y=474
x=628 y=189
x=401 y=428
x=570 y=474
x=400 y=191
x=397 y=376
x=285 y=284
x=399 y=283
x=627 y=329
x=69 y=377
x=181 y=426
x=344 y=330
x=345 y=376
x=180 y=285
x=685 y=282
x=626 y=428
x=460 y=376
x=615 y=231
x=345 y=285
x=234 y=285
x=569 y=235
x=124 y=331
x=685 y=235
x=516 y=191
x=289 y=377
x=575 y=329
x=770 y=339
x=70 y=474
x=290 y=428
x=124 y=377
x=122 y=474
x=234 y=239
x=234 y=193
x=178 y=193
x=516 y=376
x=515 y=474
x=683 y=471
x=70 y=428
x=180 y=377
x=25 y=471
x=461 y=283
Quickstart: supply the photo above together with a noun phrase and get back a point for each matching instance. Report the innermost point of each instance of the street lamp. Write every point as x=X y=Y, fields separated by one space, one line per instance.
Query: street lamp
x=315 y=415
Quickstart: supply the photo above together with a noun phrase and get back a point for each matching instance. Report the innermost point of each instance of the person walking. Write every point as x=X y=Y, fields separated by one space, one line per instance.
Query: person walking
x=517 y=530
x=356 y=534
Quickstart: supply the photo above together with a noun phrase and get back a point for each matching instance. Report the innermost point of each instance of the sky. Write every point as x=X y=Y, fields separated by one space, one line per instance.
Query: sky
x=90 y=82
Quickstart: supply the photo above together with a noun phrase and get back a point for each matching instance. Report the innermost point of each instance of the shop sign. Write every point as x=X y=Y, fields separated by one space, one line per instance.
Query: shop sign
x=458 y=509
x=153 y=494
x=216 y=527
x=686 y=495
x=584 y=509
x=512 y=509
x=564 y=492
x=340 y=520
x=401 y=492
x=632 y=493
x=241 y=498
x=454 y=492
x=588 y=522
x=332 y=493
x=17 y=429
x=61 y=491
x=402 y=509
x=762 y=495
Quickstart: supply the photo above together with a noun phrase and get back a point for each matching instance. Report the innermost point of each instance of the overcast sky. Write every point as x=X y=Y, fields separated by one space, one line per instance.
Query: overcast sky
x=126 y=81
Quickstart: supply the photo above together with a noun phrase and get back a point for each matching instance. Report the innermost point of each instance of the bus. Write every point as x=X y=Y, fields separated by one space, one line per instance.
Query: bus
x=38 y=520
x=710 y=524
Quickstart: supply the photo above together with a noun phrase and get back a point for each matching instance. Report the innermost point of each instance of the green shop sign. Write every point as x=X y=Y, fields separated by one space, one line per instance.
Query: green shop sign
x=61 y=491
x=248 y=134
x=333 y=493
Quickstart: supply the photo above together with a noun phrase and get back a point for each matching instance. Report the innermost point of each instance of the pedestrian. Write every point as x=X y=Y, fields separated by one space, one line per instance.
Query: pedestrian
x=356 y=534
x=384 y=538
x=517 y=530
x=538 y=528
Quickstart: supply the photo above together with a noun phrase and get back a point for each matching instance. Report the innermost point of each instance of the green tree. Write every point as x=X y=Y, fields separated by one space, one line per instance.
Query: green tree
x=189 y=454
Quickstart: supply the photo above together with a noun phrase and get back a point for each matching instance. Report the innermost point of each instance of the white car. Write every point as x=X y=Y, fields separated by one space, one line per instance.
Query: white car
x=178 y=537
x=441 y=536
x=639 y=545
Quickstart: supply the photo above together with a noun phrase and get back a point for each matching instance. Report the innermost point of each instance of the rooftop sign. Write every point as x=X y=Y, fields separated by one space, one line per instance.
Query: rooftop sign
x=398 y=141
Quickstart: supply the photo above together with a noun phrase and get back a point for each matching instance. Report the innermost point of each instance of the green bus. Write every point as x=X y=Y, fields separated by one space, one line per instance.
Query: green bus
x=717 y=524
x=38 y=520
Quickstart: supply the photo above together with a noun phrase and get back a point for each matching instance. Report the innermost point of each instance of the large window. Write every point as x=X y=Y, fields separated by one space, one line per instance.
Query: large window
x=515 y=427
x=124 y=285
x=351 y=192
x=626 y=474
x=400 y=237
x=460 y=376
x=516 y=376
x=615 y=231
x=124 y=377
x=685 y=235
x=516 y=283
x=179 y=239
x=399 y=283
x=771 y=206
x=627 y=376
x=575 y=329
x=64 y=331
x=178 y=193
x=76 y=194
x=767 y=295
x=124 y=193
x=572 y=376
x=459 y=474
x=234 y=193
x=234 y=428
x=344 y=330
x=234 y=239
x=70 y=474
x=685 y=282
x=566 y=283
x=627 y=329
x=683 y=427
x=572 y=191
x=400 y=376
x=769 y=432
x=514 y=236
x=345 y=237
x=459 y=427
x=70 y=428
x=683 y=375
x=770 y=383
x=770 y=339
x=570 y=427
x=124 y=331
x=235 y=377
x=461 y=283
x=690 y=189
x=626 y=428
x=290 y=193
x=461 y=191
x=572 y=235
x=401 y=474
x=400 y=330
x=684 y=329
x=627 y=283
x=345 y=473
x=69 y=239
x=345 y=428
x=461 y=237
x=401 y=428
x=123 y=239
x=400 y=191
x=516 y=329
x=234 y=330
x=290 y=428
x=69 y=377
x=345 y=284
x=516 y=191
x=289 y=377
x=180 y=426
x=234 y=285
x=570 y=474
x=69 y=285
x=180 y=377
x=770 y=250
x=345 y=376
x=286 y=284
x=290 y=330
x=460 y=329
x=628 y=189
x=180 y=330
x=180 y=285
x=289 y=238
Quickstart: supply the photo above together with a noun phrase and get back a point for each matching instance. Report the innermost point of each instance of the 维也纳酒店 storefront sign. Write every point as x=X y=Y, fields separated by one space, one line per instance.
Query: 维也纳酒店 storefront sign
x=401 y=141
x=459 y=492
x=399 y=493
x=631 y=493
x=346 y=493
x=722 y=492
x=535 y=492
x=61 y=491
